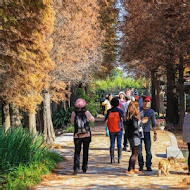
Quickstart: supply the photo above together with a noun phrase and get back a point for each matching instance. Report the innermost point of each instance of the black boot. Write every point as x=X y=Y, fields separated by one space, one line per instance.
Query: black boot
x=119 y=155
x=112 y=155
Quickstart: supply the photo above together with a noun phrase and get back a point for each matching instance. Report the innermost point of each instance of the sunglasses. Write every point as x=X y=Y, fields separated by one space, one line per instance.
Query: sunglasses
x=146 y=101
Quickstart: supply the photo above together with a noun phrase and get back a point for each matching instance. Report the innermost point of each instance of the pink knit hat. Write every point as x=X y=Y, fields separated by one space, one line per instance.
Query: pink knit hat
x=80 y=103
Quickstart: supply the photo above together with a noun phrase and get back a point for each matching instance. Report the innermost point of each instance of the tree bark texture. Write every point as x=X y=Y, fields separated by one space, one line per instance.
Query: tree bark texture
x=6 y=111
x=54 y=106
x=15 y=116
x=73 y=94
x=181 y=93
x=153 y=89
x=49 y=134
x=157 y=94
x=147 y=85
x=39 y=119
x=32 y=123
x=172 y=101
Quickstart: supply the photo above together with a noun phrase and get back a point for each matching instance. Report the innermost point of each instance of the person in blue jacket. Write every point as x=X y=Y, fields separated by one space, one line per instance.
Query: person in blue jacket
x=146 y=111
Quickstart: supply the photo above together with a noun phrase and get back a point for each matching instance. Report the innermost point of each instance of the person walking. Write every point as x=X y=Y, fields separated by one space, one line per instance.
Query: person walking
x=186 y=134
x=133 y=125
x=80 y=117
x=107 y=105
x=150 y=114
x=102 y=99
x=124 y=108
x=114 y=120
x=122 y=99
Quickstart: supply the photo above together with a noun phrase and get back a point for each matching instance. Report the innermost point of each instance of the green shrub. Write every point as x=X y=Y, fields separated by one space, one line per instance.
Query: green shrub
x=23 y=159
x=69 y=129
x=26 y=176
x=19 y=146
x=62 y=117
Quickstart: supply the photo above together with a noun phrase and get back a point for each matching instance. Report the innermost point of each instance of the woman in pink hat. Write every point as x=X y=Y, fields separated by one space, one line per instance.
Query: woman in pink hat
x=80 y=117
x=122 y=99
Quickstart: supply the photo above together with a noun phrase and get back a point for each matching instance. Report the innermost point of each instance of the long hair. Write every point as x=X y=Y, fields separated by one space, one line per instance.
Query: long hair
x=133 y=110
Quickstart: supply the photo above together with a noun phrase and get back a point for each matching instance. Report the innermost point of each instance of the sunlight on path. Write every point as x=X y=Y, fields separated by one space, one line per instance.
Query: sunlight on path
x=102 y=174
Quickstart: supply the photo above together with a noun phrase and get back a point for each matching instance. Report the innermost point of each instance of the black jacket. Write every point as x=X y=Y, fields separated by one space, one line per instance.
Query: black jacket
x=132 y=127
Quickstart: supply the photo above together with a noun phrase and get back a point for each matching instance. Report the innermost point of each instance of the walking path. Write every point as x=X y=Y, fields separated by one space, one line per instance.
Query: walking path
x=102 y=174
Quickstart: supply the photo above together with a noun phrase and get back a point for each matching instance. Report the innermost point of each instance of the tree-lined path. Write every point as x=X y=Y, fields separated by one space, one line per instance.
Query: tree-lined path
x=102 y=174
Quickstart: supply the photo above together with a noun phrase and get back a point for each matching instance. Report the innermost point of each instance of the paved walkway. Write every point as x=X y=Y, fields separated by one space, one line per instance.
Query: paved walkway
x=102 y=174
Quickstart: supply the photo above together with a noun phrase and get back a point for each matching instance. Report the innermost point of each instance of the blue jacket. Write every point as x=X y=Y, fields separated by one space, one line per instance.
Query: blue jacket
x=151 y=115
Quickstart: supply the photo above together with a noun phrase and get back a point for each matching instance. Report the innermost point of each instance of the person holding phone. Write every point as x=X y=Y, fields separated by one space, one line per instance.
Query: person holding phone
x=149 y=114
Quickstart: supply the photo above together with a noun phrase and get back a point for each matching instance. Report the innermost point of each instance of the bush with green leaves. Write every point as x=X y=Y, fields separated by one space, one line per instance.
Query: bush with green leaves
x=27 y=175
x=62 y=117
x=19 y=146
x=23 y=159
x=69 y=129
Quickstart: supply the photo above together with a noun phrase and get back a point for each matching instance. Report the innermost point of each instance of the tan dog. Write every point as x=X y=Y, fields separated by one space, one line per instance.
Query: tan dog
x=164 y=165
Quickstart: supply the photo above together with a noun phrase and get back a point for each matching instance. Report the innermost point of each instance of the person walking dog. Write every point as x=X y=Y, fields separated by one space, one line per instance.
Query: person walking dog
x=80 y=117
x=114 y=120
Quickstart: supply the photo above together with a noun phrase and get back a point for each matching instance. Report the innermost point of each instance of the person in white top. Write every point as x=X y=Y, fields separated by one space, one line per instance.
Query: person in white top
x=107 y=105
x=82 y=134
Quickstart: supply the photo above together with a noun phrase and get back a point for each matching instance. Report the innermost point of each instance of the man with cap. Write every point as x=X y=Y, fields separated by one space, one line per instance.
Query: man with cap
x=146 y=111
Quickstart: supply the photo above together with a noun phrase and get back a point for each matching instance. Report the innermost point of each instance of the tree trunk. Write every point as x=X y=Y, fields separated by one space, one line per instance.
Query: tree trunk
x=73 y=96
x=172 y=101
x=157 y=94
x=39 y=118
x=32 y=123
x=49 y=134
x=147 y=85
x=15 y=116
x=6 y=111
x=181 y=92
x=2 y=113
x=153 y=89
x=69 y=95
x=54 y=106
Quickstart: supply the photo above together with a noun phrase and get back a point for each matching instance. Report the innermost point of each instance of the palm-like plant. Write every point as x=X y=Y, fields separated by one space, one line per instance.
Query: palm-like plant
x=61 y=118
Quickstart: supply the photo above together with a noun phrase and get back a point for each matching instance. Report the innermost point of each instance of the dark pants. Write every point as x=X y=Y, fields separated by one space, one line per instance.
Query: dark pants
x=147 y=143
x=78 y=142
x=133 y=158
x=189 y=156
x=125 y=140
x=113 y=136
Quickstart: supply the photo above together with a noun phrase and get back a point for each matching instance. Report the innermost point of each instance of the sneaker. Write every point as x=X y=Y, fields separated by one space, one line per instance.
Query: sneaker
x=141 y=168
x=149 y=169
x=130 y=173
x=136 y=171
x=75 y=172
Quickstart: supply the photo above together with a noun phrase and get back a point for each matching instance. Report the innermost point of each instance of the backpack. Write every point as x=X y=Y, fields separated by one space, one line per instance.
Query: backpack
x=113 y=122
x=81 y=124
